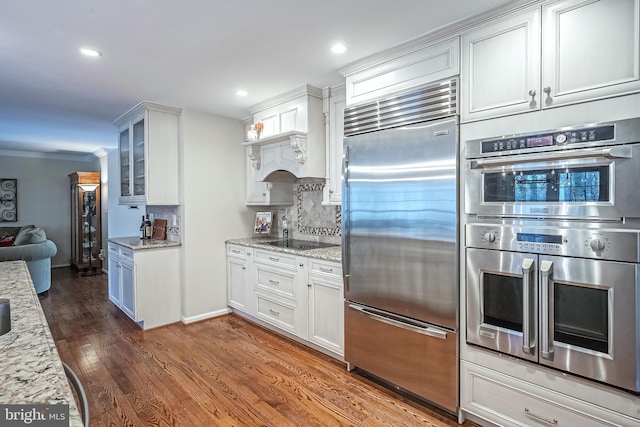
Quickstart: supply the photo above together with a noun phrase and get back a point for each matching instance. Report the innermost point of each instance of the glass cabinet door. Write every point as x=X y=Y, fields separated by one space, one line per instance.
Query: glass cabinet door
x=138 y=159
x=125 y=187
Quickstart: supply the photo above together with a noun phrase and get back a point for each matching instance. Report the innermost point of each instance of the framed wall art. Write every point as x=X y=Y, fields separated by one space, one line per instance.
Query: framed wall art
x=263 y=223
x=8 y=200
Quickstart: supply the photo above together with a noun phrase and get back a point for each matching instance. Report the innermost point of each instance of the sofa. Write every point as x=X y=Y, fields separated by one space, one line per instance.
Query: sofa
x=29 y=243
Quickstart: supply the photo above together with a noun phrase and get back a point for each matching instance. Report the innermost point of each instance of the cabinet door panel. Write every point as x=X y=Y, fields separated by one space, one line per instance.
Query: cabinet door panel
x=128 y=291
x=114 y=278
x=590 y=49
x=237 y=282
x=326 y=314
x=501 y=67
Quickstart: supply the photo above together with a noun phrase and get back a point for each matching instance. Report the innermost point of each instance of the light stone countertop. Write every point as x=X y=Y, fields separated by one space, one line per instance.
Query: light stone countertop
x=30 y=368
x=136 y=243
x=333 y=253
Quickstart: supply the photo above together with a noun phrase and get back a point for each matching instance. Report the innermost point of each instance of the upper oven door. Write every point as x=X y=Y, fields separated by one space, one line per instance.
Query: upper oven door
x=581 y=183
x=588 y=319
x=502 y=301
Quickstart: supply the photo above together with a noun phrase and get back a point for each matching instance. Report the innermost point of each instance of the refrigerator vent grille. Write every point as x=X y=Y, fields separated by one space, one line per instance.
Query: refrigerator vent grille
x=431 y=102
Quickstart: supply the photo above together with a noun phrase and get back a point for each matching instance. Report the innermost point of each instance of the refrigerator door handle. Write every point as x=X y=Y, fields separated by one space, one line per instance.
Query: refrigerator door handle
x=346 y=226
x=424 y=330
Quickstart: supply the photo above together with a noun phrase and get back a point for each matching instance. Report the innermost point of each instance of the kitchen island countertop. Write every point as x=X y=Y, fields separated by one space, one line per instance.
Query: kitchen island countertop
x=31 y=371
x=332 y=253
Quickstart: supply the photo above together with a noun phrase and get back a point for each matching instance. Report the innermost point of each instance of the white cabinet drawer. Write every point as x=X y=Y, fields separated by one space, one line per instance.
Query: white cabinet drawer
x=281 y=283
x=326 y=268
x=279 y=313
x=278 y=258
x=508 y=401
x=238 y=250
x=126 y=254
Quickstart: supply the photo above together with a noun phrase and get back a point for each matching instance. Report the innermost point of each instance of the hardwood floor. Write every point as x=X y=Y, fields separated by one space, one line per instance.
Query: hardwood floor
x=220 y=372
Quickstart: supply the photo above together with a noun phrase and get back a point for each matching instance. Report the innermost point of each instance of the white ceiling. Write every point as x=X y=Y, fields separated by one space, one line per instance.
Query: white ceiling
x=189 y=54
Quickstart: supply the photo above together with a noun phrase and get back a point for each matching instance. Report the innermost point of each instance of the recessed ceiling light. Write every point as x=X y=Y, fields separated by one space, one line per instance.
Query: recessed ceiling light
x=242 y=92
x=338 y=48
x=90 y=52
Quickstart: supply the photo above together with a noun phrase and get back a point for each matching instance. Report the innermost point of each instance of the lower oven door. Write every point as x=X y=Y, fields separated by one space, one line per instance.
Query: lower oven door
x=502 y=289
x=589 y=319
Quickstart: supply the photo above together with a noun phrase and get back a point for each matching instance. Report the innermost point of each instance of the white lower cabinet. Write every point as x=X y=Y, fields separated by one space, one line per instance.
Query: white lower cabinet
x=509 y=401
x=239 y=292
x=326 y=305
x=298 y=295
x=145 y=284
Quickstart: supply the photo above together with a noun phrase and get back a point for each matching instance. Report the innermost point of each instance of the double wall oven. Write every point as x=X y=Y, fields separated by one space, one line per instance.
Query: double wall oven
x=553 y=249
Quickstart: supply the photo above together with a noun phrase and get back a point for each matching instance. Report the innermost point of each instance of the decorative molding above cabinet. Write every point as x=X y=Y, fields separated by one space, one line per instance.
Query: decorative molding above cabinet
x=292 y=137
x=148 y=155
x=404 y=70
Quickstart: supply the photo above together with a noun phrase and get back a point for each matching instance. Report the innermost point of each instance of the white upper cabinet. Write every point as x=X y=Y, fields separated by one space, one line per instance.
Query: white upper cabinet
x=292 y=137
x=334 y=105
x=148 y=155
x=590 y=50
x=587 y=49
x=400 y=69
x=501 y=67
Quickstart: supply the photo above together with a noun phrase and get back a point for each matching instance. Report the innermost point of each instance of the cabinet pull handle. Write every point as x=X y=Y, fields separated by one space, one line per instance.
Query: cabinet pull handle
x=274 y=282
x=530 y=414
x=326 y=270
x=235 y=251
x=275 y=313
x=274 y=259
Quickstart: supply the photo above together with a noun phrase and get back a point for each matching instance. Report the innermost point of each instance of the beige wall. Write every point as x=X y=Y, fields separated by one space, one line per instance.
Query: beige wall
x=213 y=208
x=43 y=196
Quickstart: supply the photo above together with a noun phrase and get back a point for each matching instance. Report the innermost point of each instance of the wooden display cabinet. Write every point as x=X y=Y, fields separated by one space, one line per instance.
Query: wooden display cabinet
x=86 y=234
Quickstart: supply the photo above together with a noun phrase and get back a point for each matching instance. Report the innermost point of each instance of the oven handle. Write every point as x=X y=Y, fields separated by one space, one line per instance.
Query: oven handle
x=621 y=152
x=546 y=310
x=527 y=272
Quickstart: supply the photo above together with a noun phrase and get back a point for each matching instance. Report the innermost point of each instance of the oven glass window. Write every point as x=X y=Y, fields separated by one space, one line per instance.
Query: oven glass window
x=586 y=184
x=581 y=317
x=502 y=301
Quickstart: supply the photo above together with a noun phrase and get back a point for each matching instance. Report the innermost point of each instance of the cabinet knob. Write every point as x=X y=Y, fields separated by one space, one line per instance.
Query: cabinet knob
x=330 y=191
x=301 y=265
x=547 y=90
x=244 y=268
x=532 y=93
x=308 y=285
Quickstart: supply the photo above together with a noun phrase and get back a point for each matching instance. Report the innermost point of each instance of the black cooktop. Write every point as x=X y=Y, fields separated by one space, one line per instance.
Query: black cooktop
x=301 y=245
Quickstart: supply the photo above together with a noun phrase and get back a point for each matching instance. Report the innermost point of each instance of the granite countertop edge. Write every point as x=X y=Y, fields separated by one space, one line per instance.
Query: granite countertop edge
x=31 y=371
x=136 y=244
x=332 y=253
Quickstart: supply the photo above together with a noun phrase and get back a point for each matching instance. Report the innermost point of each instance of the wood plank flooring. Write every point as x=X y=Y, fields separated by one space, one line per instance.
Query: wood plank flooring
x=220 y=372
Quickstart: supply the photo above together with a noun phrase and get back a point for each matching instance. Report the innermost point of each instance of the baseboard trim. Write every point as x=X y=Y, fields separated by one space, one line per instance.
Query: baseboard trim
x=205 y=316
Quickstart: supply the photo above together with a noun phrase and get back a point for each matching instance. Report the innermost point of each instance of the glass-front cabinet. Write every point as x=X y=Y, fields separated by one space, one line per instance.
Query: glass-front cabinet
x=86 y=235
x=148 y=155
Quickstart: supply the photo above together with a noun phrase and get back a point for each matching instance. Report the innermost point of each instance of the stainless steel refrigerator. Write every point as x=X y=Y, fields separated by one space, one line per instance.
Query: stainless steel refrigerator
x=400 y=257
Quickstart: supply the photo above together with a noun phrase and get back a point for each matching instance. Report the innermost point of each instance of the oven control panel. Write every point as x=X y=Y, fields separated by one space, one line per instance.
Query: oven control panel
x=556 y=138
x=615 y=245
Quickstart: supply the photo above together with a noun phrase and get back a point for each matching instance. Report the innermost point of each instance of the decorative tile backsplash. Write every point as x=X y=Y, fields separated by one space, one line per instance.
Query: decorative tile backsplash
x=308 y=218
x=314 y=217
x=172 y=215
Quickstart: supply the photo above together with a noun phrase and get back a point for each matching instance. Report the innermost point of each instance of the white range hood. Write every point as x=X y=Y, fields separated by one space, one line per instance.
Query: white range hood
x=293 y=136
